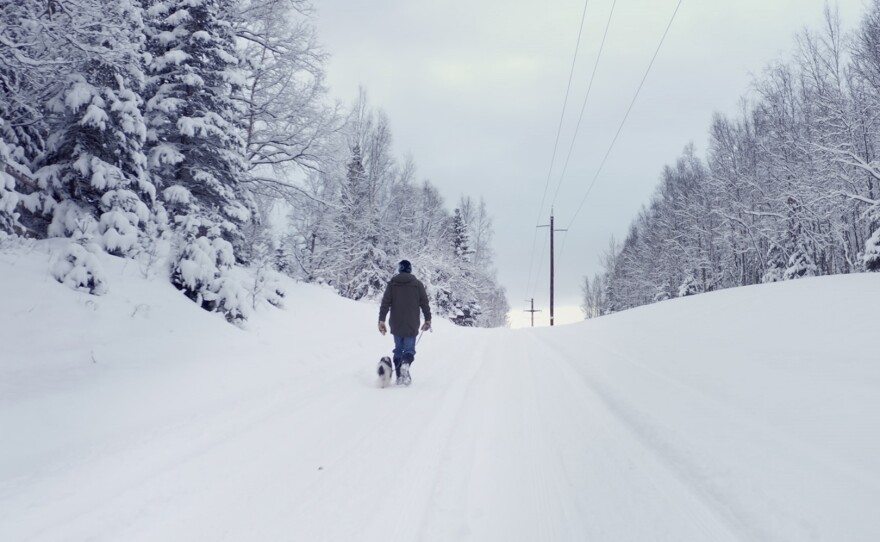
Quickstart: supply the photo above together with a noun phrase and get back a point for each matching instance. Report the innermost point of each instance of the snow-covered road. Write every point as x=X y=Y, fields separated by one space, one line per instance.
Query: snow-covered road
x=656 y=424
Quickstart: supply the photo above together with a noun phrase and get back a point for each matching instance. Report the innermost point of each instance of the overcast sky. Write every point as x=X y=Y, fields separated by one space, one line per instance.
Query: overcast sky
x=474 y=90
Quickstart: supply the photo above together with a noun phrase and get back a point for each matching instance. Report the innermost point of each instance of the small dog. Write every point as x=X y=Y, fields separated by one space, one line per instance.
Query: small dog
x=385 y=371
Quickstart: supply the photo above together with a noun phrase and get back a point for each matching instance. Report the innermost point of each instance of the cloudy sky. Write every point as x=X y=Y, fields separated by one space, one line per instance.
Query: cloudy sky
x=474 y=90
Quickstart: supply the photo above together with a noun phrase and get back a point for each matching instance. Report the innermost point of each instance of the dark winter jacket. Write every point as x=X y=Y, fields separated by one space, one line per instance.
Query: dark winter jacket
x=404 y=295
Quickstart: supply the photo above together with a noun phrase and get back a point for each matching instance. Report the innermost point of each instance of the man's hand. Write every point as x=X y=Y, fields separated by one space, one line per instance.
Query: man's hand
x=426 y=326
x=382 y=329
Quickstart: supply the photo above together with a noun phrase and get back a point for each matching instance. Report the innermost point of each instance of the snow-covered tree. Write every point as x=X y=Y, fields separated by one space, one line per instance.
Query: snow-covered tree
x=787 y=187
x=871 y=257
x=354 y=221
x=194 y=140
x=460 y=238
x=69 y=108
x=800 y=264
x=689 y=286
x=288 y=123
x=363 y=262
x=201 y=268
x=94 y=165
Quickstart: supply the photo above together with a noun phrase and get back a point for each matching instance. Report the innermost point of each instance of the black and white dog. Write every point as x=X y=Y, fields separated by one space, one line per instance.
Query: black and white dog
x=385 y=371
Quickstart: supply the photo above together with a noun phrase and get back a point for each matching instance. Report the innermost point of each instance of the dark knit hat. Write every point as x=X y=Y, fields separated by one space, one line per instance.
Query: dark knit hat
x=404 y=267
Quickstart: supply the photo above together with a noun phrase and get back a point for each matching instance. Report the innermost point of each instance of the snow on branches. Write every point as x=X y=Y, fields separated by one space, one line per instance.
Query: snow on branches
x=786 y=190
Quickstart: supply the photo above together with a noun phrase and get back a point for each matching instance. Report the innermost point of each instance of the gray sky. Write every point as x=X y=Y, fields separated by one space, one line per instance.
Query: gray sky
x=474 y=90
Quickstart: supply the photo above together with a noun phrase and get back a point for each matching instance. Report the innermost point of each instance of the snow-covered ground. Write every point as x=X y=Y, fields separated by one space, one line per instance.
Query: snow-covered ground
x=747 y=414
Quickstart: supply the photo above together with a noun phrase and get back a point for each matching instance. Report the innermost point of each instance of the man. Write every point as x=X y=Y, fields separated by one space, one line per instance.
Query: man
x=403 y=296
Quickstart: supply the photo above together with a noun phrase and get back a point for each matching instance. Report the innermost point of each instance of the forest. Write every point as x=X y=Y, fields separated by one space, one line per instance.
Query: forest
x=198 y=136
x=788 y=188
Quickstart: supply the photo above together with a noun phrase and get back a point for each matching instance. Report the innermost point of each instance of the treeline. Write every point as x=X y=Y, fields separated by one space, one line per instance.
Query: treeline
x=790 y=187
x=356 y=220
x=170 y=131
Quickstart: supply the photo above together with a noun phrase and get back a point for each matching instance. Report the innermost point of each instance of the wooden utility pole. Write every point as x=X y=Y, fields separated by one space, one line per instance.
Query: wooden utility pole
x=552 y=261
x=533 y=311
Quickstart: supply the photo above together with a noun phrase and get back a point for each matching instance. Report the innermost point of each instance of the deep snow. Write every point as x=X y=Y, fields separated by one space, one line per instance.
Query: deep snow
x=747 y=414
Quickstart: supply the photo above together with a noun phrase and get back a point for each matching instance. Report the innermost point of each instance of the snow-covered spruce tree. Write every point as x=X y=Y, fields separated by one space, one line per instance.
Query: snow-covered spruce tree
x=776 y=264
x=364 y=262
x=800 y=264
x=94 y=164
x=10 y=169
x=460 y=238
x=465 y=276
x=16 y=181
x=41 y=45
x=79 y=268
x=195 y=148
x=282 y=259
x=663 y=292
x=491 y=297
x=202 y=263
x=689 y=286
x=871 y=258
x=480 y=230
x=25 y=68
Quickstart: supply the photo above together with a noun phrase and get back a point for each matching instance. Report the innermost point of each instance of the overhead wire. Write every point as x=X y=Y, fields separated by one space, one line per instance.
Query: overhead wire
x=584 y=104
x=622 y=122
x=556 y=145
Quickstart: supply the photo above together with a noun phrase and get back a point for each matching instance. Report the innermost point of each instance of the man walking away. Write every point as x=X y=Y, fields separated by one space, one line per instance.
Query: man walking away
x=403 y=296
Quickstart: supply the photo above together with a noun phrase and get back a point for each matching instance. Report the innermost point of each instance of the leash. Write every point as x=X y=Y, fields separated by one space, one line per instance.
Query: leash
x=422 y=333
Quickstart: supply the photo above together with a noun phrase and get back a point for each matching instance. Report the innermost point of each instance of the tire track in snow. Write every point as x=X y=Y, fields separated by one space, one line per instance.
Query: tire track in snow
x=445 y=517
x=758 y=428
x=376 y=479
x=425 y=470
x=652 y=446
x=752 y=493
x=499 y=477
x=161 y=449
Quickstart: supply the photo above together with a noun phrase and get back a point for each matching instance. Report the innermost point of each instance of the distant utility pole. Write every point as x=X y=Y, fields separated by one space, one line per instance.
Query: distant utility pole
x=533 y=311
x=552 y=261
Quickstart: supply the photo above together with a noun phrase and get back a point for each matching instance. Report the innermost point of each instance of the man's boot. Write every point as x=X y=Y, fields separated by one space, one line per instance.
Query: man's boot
x=408 y=358
x=397 y=369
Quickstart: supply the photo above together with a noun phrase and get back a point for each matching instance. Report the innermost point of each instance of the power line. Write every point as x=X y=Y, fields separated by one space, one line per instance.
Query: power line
x=556 y=144
x=622 y=122
x=584 y=105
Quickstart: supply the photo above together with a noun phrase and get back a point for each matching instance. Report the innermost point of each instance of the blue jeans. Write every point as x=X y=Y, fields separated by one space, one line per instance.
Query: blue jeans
x=404 y=350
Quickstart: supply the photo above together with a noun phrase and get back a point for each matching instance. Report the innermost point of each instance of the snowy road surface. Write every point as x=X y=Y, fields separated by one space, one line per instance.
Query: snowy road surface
x=749 y=414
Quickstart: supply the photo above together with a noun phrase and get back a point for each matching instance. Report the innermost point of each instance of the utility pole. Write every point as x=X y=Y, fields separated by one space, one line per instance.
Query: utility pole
x=552 y=261
x=533 y=311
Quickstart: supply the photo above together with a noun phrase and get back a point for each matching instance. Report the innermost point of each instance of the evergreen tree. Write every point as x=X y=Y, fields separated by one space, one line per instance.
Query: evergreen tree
x=22 y=74
x=50 y=57
x=800 y=264
x=689 y=286
x=363 y=262
x=871 y=258
x=460 y=238
x=195 y=148
x=94 y=165
x=195 y=145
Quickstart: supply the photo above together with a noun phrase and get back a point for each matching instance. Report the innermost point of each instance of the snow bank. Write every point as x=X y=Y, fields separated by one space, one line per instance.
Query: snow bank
x=747 y=414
